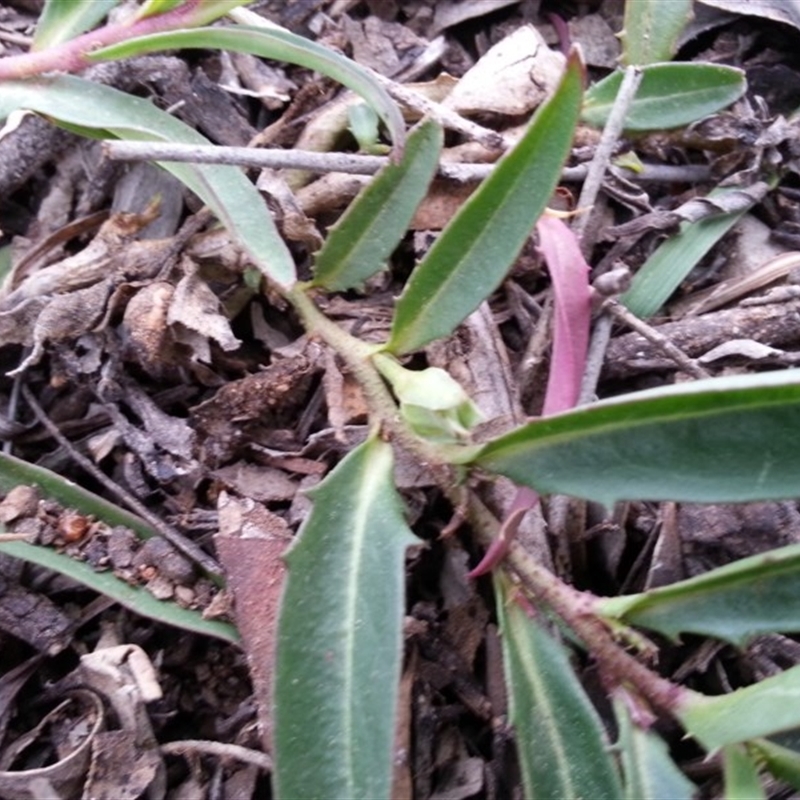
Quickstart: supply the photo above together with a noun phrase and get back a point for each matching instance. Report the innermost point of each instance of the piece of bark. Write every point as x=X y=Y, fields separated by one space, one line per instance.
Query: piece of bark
x=776 y=325
x=33 y=618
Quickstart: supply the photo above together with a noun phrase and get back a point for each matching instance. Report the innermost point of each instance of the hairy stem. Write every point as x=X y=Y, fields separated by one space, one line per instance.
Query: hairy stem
x=577 y=610
x=75 y=55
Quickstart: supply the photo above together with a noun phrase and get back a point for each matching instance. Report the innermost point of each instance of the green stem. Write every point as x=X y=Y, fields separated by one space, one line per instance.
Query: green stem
x=358 y=356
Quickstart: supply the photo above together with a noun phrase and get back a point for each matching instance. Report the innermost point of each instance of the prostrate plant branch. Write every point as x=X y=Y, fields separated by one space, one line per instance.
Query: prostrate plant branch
x=576 y=608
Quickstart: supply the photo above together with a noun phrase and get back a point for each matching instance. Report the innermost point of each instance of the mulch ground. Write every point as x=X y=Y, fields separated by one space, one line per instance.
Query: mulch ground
x=208 y=418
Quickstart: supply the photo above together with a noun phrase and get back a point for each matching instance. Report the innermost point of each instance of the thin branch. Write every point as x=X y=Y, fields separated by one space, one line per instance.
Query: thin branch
x=352 y=163
x=577 y=609
x=176 y=539
x=608 y=140
x=222 y=749
x=448 y=118
x=75 y=55
x=650 y=333
x=601 y=335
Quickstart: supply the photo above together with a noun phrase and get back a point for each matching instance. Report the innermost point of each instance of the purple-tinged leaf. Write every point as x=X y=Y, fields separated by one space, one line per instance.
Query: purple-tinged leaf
x=569 y=273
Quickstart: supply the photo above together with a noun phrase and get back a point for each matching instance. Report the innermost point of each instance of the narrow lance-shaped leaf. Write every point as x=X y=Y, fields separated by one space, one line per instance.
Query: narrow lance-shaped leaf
x=560 y=739
x=572 y=305
x=475 y=251
x=136 y=598
x=100 y=111
x=730 y=718
x=736 y=602
x=674 y=259
x=61 y=20
x=339 y=635
x=14 y=472
x=670 y=95
x=729 y=439
x=278 y=44
x=569 y=274
x=649 y=772
x=359 y=244
x=651 y=29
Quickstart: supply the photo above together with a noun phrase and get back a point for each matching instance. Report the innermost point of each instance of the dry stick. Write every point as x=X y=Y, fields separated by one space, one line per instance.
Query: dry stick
x=352 y=163
x=13 y=408
x=186 y=747
x=177 y=540
x=276 y=158
x=602 y=154
x=601 y=335
x=446 y=117
x=650 y=333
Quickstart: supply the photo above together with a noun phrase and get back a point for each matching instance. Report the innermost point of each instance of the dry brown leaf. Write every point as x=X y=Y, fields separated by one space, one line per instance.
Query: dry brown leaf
x=251 y=543
x=195 y=307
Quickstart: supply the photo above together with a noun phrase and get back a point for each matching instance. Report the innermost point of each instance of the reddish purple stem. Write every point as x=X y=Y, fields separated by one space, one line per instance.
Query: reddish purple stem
x=72 y=56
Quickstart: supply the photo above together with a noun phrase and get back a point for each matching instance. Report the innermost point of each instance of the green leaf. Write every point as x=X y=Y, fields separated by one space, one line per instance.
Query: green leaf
x=432 y=402
x=561 y=744
x=135 y=598
x=339 y=635
x=14 y=472
x=750 y=597
x=62 y=20
x=782 y=762
x=674 y=259
x=279 y=45
x=475 y=251
x=740 y=774
x=364 y=124
x=101 y=111
x=359 y=244
x=651 y=29
x=152 y=7
x=729 y=439
x=5 y=261
x=730 y=718
x=650 y=773
x=200 y=14
x=669 y=96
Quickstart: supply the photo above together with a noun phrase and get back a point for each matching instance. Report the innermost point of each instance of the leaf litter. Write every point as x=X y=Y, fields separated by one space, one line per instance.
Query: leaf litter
x=199 y=396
